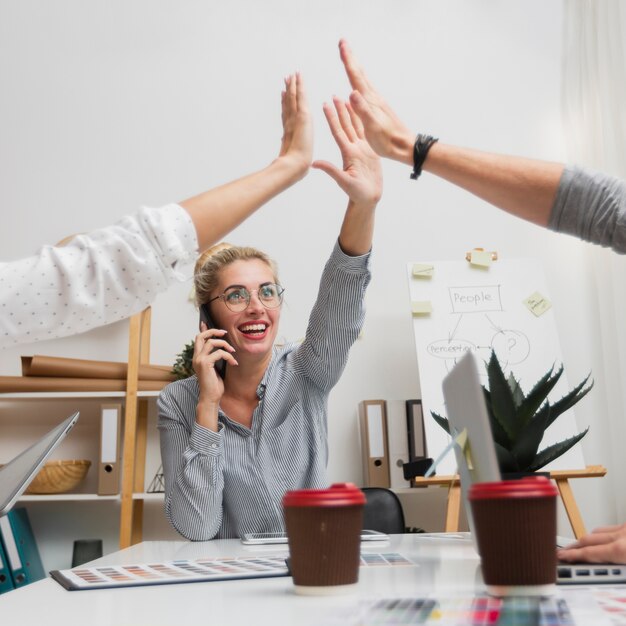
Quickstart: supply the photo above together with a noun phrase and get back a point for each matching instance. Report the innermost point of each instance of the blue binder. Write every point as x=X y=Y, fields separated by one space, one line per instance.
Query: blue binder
x=20 y=548
x=6 y=581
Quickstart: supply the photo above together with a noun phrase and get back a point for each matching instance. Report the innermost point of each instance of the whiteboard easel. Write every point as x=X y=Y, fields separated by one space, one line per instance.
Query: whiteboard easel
x=458 y=306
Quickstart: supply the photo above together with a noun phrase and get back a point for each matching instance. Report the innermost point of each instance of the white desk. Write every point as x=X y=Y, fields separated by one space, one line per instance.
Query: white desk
x=445 y=565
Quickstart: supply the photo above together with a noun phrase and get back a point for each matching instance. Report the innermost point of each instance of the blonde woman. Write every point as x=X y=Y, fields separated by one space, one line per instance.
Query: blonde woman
x=252 y=423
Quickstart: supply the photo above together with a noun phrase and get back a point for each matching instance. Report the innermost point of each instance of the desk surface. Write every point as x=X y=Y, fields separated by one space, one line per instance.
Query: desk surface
x=445 y=565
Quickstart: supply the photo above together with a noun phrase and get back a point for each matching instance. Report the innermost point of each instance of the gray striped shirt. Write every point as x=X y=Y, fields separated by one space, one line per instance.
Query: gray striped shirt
x=226 y=483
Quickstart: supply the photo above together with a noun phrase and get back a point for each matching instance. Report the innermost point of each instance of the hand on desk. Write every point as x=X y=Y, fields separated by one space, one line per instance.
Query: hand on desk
x=603 y=545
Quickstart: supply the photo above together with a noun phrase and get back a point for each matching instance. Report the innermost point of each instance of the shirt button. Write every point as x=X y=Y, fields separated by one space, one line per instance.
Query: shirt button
x=214 y=445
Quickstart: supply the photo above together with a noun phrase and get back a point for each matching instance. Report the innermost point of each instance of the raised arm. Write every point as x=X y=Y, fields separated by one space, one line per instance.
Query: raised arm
x=217 y=211
x=523 y=187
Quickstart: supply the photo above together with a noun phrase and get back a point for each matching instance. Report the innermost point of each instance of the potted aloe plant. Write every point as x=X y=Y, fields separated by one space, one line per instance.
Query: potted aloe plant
x=519 y=420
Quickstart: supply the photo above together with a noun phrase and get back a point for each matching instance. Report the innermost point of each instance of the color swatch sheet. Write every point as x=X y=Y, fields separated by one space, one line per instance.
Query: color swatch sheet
x=199 y=570
x=475 y=611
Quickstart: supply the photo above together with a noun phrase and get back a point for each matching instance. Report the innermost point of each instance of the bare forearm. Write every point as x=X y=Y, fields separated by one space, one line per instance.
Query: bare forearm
x=523 y=187
x=357 y=229
x=217 y=211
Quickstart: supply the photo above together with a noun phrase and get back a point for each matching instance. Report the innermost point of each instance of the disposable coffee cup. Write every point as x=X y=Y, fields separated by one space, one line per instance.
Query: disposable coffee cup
x=324 y=536
x=515 y=527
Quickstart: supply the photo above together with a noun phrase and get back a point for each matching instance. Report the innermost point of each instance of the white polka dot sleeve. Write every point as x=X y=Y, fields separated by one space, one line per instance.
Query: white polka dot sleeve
x=96 y=278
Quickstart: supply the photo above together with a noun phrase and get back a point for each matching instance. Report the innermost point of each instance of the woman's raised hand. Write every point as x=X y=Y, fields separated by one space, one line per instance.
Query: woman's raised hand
x=361 y=174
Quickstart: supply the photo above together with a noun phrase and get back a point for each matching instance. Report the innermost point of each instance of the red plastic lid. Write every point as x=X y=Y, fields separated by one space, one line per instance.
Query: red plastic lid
x=531 y=487
x=338 y=494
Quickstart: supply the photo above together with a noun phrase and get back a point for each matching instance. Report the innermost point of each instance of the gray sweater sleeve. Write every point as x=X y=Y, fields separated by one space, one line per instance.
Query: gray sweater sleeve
x=592 y=206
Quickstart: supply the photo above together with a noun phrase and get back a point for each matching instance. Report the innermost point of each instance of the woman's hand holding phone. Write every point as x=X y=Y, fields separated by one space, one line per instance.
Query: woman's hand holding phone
x=210 y=347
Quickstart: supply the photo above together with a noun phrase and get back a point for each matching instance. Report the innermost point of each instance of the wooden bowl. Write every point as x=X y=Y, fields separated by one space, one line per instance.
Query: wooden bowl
x=59 y=476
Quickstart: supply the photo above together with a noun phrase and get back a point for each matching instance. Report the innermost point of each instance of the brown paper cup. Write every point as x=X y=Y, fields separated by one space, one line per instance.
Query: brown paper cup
x=515 y=526
x=323 y=531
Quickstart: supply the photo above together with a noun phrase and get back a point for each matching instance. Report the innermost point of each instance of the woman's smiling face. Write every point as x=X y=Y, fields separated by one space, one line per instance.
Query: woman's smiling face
x=253 y=330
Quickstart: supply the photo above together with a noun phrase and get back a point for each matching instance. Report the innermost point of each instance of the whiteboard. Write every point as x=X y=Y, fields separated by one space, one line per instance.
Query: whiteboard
x=456 y=307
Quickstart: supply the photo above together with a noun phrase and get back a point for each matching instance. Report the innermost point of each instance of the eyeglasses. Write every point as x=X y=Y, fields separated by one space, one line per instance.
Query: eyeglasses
x=237 y=298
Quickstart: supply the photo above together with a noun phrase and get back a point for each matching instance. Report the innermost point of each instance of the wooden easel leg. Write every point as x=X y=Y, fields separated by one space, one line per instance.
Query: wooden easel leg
x=571 y=508
x=453 y=509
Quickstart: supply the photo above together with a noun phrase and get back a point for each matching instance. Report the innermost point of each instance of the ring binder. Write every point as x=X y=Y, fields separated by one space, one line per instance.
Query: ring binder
x=110 y=433
x=374 y=443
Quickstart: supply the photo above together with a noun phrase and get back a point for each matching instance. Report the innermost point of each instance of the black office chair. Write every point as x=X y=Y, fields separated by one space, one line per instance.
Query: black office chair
x=383 y=511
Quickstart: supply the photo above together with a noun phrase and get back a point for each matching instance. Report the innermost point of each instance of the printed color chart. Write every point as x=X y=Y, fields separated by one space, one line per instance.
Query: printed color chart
x=200 y=570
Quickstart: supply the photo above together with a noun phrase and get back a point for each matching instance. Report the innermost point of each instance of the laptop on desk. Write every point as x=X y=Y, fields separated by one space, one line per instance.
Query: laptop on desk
x=17 y=474
x=466 y=410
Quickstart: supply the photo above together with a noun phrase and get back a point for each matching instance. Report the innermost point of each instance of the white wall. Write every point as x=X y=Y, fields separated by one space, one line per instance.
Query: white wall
x=110 y=105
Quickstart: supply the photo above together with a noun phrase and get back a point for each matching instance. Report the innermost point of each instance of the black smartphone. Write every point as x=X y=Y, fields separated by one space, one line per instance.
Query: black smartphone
x=220 y=366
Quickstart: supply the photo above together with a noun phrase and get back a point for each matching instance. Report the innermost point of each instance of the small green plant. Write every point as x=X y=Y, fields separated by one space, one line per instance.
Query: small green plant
x=183 y=367
x=519 y=420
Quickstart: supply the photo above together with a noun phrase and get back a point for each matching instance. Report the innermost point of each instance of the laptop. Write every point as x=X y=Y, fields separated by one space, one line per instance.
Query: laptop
x=466 y=410
x=17 y=474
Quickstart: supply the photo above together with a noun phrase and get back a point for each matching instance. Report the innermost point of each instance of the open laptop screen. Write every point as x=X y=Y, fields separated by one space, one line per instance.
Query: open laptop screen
x=16 y=475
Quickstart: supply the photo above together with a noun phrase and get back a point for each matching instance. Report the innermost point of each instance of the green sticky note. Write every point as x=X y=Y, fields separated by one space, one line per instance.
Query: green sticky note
x=423 y=270
x=537 y=304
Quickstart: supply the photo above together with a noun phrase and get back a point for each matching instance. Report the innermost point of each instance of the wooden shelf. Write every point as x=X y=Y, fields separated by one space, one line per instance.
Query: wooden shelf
x=64 y=395
x=66 y=497
x=134 y=437
x=149 y=497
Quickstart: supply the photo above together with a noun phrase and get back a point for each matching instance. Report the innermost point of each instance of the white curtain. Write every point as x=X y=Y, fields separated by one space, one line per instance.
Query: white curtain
x=594 y=108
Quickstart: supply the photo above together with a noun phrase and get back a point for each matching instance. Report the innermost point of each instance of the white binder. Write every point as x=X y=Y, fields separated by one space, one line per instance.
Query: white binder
x=374 y=443
x=110 y=443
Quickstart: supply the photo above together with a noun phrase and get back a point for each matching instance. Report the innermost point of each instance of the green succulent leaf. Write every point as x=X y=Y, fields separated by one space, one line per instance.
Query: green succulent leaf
x=442 y=421
x=497 y=432
x=538 y=395
x=502 y=402
x=516 y=389
x=525 y=448
x=571 y=398
x=554 y=451
x=506 y=461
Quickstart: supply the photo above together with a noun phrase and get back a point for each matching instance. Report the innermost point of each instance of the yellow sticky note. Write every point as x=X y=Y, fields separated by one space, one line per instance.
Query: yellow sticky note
x=481 y=258
x=537 y=304
x=423 y=307
x=463 y=443
x=423 y=270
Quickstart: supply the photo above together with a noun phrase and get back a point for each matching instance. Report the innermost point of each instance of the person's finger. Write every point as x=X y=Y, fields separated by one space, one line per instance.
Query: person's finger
x=301 y=98
x=357 y=124
x=334 y=125
x=592 y=540
x=604 y=553
x=608 y=529
x=283 y=106
x=362 y=108
x=356 y=76
x=211 y=359
x=344 y=119
x=334 y=172
x=292 y=93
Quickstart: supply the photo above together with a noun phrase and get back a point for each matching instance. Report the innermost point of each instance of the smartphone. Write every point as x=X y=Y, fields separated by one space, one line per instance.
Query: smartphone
x=267 y=538
x=220 y=366
x=590 y=574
